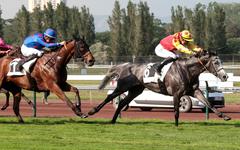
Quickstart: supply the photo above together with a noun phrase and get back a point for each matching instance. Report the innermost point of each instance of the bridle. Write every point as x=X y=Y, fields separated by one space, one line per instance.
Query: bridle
x=86 y=54
x=215 y=70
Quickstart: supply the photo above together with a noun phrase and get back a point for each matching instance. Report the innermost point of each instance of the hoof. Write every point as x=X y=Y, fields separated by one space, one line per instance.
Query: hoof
x=4 y=107
x=113 y=122
x=44 y=101
x=84 y=115
x=92 y=112
x=226 y=118
x=20 y=121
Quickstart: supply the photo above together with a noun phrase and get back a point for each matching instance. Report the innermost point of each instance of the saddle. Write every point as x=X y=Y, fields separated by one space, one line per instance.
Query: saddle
x=26 y=63
x=152 y=76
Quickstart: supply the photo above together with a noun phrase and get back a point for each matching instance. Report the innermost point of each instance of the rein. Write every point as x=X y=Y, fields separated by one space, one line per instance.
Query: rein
x=55 y=55
x=204 y=66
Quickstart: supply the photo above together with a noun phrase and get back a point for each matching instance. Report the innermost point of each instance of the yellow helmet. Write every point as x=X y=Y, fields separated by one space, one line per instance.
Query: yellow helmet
x=186 y=35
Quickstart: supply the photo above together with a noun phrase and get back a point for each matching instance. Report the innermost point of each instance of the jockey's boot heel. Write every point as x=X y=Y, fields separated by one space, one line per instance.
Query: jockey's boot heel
x=159 y=66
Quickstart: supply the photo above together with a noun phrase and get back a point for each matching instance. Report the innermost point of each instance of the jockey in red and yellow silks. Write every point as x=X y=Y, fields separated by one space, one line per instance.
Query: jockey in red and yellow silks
x=180 y=41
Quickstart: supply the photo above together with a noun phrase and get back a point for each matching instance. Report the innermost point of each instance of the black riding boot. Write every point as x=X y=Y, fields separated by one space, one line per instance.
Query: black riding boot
x=24 y=60
x=159 y=66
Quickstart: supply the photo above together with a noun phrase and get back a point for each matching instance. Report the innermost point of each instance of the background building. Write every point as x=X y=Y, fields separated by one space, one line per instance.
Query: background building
x=34 y=3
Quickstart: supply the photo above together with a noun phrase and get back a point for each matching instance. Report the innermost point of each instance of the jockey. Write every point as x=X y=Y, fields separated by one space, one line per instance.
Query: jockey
x=180 y=41
x=33 y=45
x=4 y=48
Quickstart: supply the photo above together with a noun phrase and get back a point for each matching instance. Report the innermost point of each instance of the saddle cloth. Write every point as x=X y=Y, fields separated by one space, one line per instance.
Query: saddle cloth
x=13 y=71
x=151 y=76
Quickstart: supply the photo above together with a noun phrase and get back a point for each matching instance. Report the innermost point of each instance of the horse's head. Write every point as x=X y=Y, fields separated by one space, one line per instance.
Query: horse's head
x=213 y=64
x=82 y=51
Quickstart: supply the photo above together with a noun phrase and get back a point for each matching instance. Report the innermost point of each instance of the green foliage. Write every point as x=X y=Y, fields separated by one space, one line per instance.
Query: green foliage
x=48 y=16
x=21 y=24
x=207 y=25
x=37 y=20
x=232 y=20
x=87 y=25
x=233 y=45
x=177 y=19
x=115 y=31
x=69 y=22
x=134 y=31
x=101 y=52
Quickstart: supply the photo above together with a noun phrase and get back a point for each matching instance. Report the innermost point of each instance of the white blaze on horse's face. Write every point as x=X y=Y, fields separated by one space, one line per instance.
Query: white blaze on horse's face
x=217 y=69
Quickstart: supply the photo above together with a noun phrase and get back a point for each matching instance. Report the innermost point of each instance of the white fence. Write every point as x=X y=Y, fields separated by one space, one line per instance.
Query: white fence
x=210 y=78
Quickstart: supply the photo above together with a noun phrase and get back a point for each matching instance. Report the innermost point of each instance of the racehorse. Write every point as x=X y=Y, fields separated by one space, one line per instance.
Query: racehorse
x=48 y=74
x=17 y=53
x=181 y=79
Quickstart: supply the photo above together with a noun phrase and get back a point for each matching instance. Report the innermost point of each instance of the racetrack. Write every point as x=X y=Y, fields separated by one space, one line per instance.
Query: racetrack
x=57 y=108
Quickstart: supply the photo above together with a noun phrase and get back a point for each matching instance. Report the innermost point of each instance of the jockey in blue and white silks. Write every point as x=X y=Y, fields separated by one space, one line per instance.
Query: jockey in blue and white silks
x=33 y=45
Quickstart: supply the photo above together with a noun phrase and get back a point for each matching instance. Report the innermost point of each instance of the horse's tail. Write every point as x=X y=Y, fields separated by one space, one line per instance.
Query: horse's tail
x=112 y=73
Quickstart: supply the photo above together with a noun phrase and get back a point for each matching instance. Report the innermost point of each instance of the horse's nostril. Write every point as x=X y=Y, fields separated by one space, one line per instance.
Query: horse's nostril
x=225 y=77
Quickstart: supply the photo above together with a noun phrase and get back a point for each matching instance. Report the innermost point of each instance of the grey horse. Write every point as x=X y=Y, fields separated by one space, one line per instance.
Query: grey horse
x=181 y=79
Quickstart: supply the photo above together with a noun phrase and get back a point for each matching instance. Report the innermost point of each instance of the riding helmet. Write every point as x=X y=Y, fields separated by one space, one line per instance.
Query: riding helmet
x=186 y=35
x=50 y=33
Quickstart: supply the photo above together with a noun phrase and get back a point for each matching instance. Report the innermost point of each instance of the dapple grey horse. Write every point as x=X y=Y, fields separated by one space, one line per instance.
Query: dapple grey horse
x=181 y=79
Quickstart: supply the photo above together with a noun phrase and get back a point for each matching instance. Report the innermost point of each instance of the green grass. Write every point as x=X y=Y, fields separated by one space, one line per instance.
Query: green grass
x=232 y=98
x=74 y=133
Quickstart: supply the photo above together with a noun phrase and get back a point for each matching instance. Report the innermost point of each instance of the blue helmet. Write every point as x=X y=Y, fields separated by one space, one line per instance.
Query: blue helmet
x=50 y=33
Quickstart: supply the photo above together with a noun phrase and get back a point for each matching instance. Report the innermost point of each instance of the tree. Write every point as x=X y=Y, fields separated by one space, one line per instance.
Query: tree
x=216 y=34
x=48 y=16
x=74 y=23
x=37 y=20
x=131 y=25
x=198 y=24
x=114 y=23
x=232 y=19
x=177 y=19
x=61 y=17
x=103 y=37
x=22 y=24
x=87 y=25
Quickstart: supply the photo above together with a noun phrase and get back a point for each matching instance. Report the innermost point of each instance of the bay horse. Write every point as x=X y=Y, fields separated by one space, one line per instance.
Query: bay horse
x=48 y=74
x=16 y=51
x=181 y=79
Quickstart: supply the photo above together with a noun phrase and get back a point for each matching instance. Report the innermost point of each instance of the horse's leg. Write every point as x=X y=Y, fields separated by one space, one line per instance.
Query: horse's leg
x=54 y=88
x=176 y=101
x=132 y=93
x=45 y=96
x=66 y=87
x=5 y=106
x=123 y=85
x=27 y=99
x=110 y=97
x=16 y=102
x=199 y=95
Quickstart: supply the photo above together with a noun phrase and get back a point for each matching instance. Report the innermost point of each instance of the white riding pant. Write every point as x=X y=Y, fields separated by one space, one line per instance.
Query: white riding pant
x=28 y=51
x=162 y=52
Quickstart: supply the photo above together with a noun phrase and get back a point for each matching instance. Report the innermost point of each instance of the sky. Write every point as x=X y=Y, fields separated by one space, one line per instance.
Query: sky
x=160 y=8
